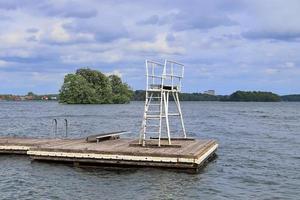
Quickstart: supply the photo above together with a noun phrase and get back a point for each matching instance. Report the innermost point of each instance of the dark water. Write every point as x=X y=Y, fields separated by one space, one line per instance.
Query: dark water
x=258 y=156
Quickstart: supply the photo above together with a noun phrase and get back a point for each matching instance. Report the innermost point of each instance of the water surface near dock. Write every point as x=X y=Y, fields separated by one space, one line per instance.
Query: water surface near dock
x=258 y=156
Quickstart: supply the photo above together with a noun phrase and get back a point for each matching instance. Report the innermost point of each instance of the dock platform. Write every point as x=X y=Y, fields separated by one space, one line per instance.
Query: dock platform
x=182 y=154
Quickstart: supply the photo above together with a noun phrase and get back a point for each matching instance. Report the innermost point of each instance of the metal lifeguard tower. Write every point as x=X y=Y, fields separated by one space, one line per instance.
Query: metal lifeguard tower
x=162 y=80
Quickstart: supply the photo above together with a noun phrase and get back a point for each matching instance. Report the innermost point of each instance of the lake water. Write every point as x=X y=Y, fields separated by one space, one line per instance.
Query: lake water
x=258 y=155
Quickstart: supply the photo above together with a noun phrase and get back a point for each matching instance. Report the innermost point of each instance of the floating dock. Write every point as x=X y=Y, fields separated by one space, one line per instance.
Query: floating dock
x=182 y=154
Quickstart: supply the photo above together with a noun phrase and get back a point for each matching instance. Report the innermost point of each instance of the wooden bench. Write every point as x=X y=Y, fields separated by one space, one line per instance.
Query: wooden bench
x=105 y=136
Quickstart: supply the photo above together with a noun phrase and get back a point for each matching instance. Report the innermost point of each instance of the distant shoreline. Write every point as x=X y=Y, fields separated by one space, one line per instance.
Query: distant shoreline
x=139 y=95
x=238 y=96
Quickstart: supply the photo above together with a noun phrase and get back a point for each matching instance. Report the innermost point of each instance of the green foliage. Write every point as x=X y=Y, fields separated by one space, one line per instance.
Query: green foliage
x=139 y=95
x=88 y=86
x=31 y=94
x=99 y=82
x=291 y=97
x=254 y=96
x=198 y=97
x=120 y=91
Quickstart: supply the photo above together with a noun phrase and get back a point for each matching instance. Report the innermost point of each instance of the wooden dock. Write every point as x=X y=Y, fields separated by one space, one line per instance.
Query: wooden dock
x=183 y=154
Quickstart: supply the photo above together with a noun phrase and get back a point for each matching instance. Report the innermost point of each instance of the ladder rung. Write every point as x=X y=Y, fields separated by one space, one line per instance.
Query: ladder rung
x=154 y=97
x=152 y=125
x=153 y=116
x=174 y=114
x=151 y=132
x=154 y=104
x=153 y=111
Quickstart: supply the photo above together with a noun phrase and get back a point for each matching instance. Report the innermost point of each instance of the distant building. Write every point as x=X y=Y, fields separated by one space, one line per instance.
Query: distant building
x=45 y=98
x=53 y=98
x=20 y=98
x=209 y=92
x=28 y=98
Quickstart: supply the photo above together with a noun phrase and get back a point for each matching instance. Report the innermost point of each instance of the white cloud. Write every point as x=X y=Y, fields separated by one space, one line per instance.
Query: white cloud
x=271 y=71
x=3 y=63
x=59 y=34
x=12 y=38
x=114 y=72
x=289 y=65
x=160 y=46
x=40 y=77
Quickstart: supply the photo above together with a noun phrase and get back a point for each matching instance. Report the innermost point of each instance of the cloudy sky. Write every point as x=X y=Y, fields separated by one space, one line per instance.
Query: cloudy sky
x=226 y=45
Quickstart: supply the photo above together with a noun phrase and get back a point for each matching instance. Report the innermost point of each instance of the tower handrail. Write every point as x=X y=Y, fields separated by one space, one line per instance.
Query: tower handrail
x=155 y=62
x=175 y=62
x=174 y=78
x=154 y=78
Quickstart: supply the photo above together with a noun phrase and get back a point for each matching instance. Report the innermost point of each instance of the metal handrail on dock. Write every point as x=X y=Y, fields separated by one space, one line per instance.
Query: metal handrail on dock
x=66 y=125
x=55 y=127
x=54 y=122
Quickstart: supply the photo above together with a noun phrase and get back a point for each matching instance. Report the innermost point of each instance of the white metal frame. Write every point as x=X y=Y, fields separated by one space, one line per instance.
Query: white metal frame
x=161 y=80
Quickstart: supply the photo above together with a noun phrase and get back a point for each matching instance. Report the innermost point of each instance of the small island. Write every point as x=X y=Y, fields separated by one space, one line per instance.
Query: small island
x=89 y=86
x=253 y=96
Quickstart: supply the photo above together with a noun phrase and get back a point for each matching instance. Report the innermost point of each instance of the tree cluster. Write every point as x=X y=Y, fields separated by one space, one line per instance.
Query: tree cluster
x=89 y=86
x=139 y=95
x=254 y=96
x=291 y=97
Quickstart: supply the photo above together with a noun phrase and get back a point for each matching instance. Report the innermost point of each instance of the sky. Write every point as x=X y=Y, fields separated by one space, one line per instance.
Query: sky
x=225 y=45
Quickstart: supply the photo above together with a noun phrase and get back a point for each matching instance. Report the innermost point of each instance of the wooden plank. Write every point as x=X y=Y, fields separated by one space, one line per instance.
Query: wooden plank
x=25 y=141
x=178 y=138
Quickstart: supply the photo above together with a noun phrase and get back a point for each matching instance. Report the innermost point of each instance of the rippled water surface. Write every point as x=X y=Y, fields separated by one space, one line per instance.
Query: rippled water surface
x=258 y=156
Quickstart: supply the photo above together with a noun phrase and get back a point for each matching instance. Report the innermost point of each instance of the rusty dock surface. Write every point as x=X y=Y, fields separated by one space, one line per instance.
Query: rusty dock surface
x=183 y=154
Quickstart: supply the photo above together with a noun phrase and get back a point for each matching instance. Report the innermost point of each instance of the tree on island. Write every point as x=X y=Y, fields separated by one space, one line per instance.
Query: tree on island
x=254 y=96
x=31 y=94
x=89 y=86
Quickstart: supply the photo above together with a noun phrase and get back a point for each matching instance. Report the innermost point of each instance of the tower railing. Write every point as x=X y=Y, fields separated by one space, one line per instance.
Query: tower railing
x=154 y=74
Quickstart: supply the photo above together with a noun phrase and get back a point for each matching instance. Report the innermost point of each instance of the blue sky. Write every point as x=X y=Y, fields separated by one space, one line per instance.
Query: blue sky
x=226 y=45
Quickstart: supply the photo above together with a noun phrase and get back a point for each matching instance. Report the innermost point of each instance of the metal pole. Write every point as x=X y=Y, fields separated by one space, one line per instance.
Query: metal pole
x=167 y=117
x=172 y=77
x=147 y=81
x=54 y=122
x=176 y=98
x=153 y=82
x=162 y=98
x=66 y=124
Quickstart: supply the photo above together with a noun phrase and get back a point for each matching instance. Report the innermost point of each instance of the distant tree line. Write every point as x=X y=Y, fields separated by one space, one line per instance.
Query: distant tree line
x=258 y=96
x=291 y=97
x=30 y=96
x=139 y=95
